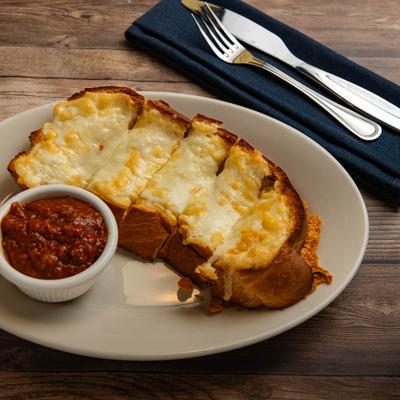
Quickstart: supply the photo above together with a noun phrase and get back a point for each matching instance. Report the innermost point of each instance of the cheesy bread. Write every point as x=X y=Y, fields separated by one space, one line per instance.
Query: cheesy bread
x=186 y=191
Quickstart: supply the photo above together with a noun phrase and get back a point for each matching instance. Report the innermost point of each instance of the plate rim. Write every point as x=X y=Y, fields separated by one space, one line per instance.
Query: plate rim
x=238 y=343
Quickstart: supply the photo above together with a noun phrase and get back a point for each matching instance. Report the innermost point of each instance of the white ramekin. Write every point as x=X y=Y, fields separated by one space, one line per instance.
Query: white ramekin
x=58 y=290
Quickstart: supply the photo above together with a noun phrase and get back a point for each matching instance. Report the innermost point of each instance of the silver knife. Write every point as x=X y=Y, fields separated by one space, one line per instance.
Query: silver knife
x=255 y=35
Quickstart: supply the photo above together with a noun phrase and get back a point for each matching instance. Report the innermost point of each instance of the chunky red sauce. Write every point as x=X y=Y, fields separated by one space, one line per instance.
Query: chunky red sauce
x=53 y=238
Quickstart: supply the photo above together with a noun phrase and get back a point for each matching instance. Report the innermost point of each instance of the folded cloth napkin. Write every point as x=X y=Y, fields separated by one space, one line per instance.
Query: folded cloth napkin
x=168 y=31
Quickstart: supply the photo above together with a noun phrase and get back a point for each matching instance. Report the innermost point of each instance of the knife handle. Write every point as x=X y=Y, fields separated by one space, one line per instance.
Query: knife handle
x=361 y=126
x=356 y=96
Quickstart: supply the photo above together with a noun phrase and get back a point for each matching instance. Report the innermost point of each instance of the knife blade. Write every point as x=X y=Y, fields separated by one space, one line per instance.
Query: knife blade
x=262 y=39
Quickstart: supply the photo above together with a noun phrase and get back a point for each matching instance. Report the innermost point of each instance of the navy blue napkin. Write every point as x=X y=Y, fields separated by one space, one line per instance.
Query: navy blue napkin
x=168 y=31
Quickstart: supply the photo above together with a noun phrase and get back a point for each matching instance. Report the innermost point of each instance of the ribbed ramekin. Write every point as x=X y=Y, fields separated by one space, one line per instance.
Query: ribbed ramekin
x=58 y=290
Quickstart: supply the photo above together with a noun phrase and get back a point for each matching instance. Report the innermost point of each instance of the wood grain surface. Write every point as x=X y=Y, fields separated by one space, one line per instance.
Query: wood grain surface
x=351 y=350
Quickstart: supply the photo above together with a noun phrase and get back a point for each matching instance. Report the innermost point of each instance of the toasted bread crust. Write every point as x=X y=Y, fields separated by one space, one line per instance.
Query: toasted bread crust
x=136 y=97
x=117 y=211
x=247 y=146
x=143 y=232
x=165 y=109
x=34 y=137
x=297 y=209
x=183 y=258
x=204 y=118
x=285 y=281
x=229 y=137
x=11 y=167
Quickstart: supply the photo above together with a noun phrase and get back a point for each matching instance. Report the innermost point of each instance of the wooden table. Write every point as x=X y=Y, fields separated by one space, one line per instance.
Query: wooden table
x=50 y=49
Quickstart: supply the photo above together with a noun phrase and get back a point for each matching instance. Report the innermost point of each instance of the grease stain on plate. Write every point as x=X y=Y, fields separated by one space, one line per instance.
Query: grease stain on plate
x=158 y=285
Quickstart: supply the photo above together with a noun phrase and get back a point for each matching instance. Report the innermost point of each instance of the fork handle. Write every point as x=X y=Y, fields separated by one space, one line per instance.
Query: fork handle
x=364 y=100
x=359 y=125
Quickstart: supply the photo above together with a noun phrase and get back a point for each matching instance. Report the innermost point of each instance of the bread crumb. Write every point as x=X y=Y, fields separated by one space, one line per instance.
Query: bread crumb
x=185 y=289
x=186 y=284
x=215 y=306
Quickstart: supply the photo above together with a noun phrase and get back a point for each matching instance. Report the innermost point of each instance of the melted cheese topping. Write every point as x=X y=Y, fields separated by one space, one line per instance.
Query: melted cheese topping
x=254 y=239
x=190 y=168
x=212 y=211
x=79 y=140
x=47 y=163
x=140 y=154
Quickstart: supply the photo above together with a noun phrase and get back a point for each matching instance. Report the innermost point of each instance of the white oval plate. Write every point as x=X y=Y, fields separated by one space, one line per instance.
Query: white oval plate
x=132 y=312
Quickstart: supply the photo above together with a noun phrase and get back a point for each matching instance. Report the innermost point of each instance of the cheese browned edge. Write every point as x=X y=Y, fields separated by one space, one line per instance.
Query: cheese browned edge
x=309 y=252
x=152 y=219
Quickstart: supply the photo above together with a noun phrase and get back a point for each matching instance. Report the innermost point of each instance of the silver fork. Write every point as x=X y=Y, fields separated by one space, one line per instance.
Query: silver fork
x=228 y=49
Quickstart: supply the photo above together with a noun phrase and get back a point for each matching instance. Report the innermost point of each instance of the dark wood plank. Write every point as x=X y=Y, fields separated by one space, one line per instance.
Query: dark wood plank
x=72 y=24
x=353 y=28
x=97 y=64
x=20 y=94
x=121 y=64
x=388 y=67
x=113 y=385
x=384 y=237
x=125 y=64
x=357 y=335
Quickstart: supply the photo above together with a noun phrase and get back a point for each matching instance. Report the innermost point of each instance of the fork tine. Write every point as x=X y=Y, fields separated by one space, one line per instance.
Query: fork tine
x=208 y=40
x=211 y=31
x=210 y=19
x=221 y=26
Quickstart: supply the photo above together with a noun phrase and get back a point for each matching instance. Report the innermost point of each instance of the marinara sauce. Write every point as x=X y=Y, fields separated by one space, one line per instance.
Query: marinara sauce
x=53 y=238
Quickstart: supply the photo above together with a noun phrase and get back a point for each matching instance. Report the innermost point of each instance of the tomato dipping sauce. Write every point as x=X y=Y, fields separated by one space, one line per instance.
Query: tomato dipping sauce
x=53 y=238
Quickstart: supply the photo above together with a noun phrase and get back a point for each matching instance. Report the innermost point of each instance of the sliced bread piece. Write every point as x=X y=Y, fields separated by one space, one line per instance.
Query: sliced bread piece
x=150 y=221
x=213 y=209
x=259 y=263
x=84 y=132
x=156 y=134
x=80 y=139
